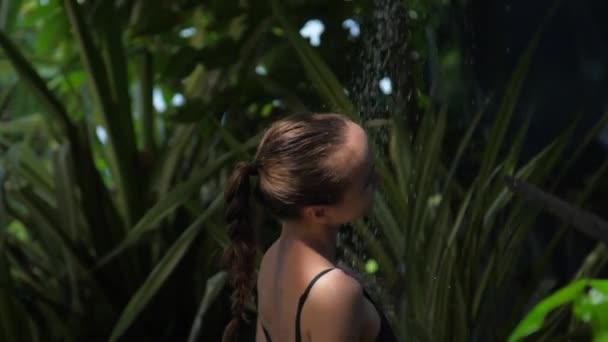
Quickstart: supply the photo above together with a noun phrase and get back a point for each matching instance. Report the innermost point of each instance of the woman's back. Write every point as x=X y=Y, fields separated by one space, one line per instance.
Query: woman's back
x=313 y=172
x=333 y=309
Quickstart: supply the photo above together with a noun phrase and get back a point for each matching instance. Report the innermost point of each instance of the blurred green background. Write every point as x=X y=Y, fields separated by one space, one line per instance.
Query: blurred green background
x=120 y=121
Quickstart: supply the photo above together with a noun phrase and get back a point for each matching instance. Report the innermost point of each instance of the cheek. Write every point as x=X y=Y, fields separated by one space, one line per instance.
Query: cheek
x=362 y=205
x=347 y=212
x=354 y=207
x=369 y=200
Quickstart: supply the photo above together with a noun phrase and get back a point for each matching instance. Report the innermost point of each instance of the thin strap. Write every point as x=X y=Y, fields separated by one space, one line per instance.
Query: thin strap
x=266 y=333
x=303 y=299
x=366 y=295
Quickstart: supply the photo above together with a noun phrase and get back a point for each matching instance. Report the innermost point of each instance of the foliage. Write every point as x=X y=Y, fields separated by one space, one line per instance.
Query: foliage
x=442 y=238
x=589 y=305
x=106 y=195
x=120 y=120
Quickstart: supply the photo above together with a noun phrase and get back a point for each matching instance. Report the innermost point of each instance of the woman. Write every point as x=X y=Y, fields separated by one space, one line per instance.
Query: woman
x=315 y=173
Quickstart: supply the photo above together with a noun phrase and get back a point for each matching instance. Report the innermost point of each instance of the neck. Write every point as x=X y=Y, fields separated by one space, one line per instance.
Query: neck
x=321 y=239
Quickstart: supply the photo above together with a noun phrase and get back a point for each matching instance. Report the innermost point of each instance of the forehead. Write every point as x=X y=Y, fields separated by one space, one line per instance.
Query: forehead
x=355 y=152
x=356 y=139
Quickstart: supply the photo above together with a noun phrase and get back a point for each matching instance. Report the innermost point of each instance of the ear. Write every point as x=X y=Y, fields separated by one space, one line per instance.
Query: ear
x=316 y=214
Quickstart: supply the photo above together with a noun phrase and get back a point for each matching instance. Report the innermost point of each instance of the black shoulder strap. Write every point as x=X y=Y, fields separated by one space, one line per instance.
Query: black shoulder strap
x=266 y=334
x=303 y=299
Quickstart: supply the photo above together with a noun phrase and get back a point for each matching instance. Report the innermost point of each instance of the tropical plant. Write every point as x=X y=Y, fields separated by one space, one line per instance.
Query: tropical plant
x=447 y=250
x=588 y=298
x=462 y=241
x=120 y=120
x=111 y=206
x=104 y=209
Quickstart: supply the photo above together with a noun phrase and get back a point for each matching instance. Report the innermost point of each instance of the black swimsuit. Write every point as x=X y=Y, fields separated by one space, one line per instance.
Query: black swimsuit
x=385 y=334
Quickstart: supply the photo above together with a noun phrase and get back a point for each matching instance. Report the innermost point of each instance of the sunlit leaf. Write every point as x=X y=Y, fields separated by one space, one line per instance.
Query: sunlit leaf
x=534 y=320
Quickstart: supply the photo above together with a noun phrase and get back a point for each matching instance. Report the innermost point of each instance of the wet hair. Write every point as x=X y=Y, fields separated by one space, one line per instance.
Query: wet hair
x=297 y=165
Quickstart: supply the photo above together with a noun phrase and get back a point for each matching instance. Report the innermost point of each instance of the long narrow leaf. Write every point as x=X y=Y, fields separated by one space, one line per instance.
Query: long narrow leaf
x=320 y=74
x=172 y=200
x=28 y=74
x=214 y=286
x=12 y=318
x=464 y=143
x=390 y=226
x=120 y=139
x=511 y=97
x=162 y=271
x=586 y=222
x=49 y=226
x=592 y=134
x=64 y=189
x=534 y=320
x=146 y=98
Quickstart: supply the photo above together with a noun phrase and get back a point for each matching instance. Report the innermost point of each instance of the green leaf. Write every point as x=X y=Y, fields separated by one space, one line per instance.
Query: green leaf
x=191 y=112
x=534 y=320
x=6 y=97
x=99 y=210
x=458 y=222
x=49 y=228
x=386 y=264
x=402 y=160
x=592 y=307
x=462 y=146
x=21 y=124
x=34 y=171
x=161 y=272
x=317 y=70
x=146 y=99
x=427 y=160
x=511 y=97
x=592 y=134
x=116 y=118
x=9 y=11
x=214 y=287
x=65 y=192
x=176 y=197
x=601 y=336
x=389 y=226
x=173 y=156
x=505 y=113
x=582 y=197
x=594 y=262
x=12 y=318
x=501 y=196
x=33 y=80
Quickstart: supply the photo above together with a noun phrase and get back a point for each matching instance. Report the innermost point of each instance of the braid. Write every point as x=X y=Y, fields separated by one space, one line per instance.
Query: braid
x=239 y=257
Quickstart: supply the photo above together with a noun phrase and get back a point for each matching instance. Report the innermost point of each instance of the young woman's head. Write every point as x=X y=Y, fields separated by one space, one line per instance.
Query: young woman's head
x=313 y=168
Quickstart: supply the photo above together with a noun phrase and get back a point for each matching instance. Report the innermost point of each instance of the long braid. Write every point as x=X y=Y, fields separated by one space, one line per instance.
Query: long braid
x=295 y=158
x=239 y=257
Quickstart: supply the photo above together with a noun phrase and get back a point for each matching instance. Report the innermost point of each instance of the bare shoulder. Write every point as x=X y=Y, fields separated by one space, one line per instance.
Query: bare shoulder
x=266 y=260
x=336 y=285
x=348 y=270
x=334 y=307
